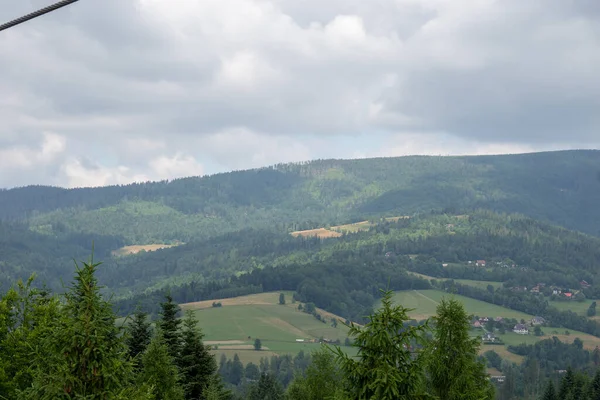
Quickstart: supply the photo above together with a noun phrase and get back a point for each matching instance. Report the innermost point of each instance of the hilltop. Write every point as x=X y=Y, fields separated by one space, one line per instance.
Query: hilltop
x=559 y=187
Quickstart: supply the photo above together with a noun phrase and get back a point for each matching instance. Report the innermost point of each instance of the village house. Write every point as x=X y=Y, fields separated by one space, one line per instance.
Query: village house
x=476 y=324
x=584 y=284
x=535 y=289
x=498 y=319
x=537 y=321
x=498 y=378
x=489 y=337
x=521 y=329
x=480 y=263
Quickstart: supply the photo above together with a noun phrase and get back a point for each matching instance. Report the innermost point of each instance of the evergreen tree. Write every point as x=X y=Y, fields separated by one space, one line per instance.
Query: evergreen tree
x=169 y=325
x=453 y=369
x=567 y=384
x=159 y=371
x=139 y=334
x=594 y=392
x=385 y=367
x=236 y=372
x=322 y=379
x=267 y=388
x=257 y=344
x=281 y=298
x=198 y=366
x=83 y=355
x=549 y=393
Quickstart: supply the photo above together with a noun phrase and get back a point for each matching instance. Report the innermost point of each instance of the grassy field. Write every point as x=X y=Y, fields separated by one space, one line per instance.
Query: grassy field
x=425 y=302
x=478 y=284
x=127 y=250
x=469 y=282
x=234 y=326
x=320 y=232
x=575 y=306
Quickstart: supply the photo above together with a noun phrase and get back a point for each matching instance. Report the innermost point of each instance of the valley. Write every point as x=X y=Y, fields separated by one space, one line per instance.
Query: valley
x=330 y=235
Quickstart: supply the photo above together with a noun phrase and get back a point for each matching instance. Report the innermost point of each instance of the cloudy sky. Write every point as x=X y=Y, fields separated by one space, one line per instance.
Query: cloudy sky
x=115 y=91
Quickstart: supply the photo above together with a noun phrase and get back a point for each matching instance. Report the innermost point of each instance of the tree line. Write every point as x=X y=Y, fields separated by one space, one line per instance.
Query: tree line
x=71 y=347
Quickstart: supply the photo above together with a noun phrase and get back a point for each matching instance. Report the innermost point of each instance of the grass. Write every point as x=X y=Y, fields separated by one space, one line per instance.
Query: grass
x=127 y=250
x=425 y=303
x=468 y=282
x=320 y=232
x=575 y=306
x=235 y=325
x=478 y=284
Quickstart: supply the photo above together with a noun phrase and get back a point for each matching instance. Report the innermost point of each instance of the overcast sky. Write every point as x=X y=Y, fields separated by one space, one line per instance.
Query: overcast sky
x=115 y=91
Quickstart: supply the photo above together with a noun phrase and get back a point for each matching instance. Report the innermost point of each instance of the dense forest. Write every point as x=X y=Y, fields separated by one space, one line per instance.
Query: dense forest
x=560 y=187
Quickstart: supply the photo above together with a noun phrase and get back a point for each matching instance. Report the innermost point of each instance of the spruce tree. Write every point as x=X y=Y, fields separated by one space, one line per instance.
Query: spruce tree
x=198 y=366
x=139 y=333
x=159 y=371
x=385 y=367
x=550 y=392
x=267 y=388
x=595 y=387
x=567 y=384
x=169 y=325
x=453 y=369
x=84 y=354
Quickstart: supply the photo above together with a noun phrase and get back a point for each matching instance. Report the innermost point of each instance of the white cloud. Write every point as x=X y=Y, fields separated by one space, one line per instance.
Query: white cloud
x=154 y=89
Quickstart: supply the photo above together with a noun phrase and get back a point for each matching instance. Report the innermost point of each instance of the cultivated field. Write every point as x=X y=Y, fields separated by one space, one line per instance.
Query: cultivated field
x=337 y=231
x=425 y=302
x=234 y=326
x=127 y=250
x=321 y=233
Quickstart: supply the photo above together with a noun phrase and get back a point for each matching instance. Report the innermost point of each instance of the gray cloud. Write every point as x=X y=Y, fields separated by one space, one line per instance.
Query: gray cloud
x=150 y=89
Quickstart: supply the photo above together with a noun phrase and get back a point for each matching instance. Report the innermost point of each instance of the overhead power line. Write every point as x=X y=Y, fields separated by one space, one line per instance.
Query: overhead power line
x=36 y=14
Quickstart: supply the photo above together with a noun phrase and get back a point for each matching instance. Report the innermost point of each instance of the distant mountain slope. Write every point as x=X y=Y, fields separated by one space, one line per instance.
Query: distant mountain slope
x=561 y=187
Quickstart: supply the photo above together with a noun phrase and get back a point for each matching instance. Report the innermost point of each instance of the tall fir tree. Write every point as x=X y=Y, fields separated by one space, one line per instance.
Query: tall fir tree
x=453 y=369
x=594 y=392
x=169 y=325
x=139 y=334
x=549 y=392
x=84 y=354
x=159 y=371
x=198 y=366
x=267 y=388
x=385 y=367
x=567 y=384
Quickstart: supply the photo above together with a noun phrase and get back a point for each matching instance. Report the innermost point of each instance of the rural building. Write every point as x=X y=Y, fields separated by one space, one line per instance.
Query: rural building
x=498 y=378
x=521 y=329
x=480 y=263
x=537 y=321
x=489 y=337
x=476 y=324
x=584 y=284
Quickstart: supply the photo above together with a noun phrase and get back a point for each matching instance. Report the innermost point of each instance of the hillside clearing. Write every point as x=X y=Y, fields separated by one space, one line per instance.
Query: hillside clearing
x=134 y=249
x=320 y=233
x=424 y=303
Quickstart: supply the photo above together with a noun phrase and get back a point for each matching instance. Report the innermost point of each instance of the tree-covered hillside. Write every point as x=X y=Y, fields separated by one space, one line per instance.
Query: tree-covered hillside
x=561 y=187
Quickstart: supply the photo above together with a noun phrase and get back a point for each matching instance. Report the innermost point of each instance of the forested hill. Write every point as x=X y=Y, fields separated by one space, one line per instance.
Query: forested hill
x=561 y=187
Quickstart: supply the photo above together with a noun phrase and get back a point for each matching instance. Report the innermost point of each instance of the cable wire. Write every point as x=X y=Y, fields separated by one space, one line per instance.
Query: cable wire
x=36 y=14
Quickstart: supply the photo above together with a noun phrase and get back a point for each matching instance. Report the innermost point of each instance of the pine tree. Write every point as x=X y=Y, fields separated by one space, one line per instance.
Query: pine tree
x=595 y=386
x=159 y=371
x=198 y=366
x=84 y=354
x=385 y=367
x=550 y=392
x=567 y=384
x=267 y=388
x=139 y=334
x=236 y=373
x=169 y=325
x=453 y=369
